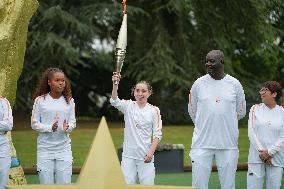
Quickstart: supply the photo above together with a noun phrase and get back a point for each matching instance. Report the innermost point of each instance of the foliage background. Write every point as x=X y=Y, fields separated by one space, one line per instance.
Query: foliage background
x=167 y=44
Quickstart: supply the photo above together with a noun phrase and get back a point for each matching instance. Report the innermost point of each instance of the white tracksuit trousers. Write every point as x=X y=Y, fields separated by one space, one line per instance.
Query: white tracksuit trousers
x=256 y=173
x=5 y=164
x=133 y=167
x=53 y=171
x=226 y=161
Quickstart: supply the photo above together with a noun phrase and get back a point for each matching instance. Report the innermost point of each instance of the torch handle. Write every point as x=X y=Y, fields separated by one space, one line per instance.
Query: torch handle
x=117 y=82
x=120 y=55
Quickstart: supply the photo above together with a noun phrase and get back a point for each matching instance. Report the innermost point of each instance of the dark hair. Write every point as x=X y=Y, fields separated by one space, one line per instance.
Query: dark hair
x=216 y=55
x=274 y=87
x=43 y=88
x=149 y=87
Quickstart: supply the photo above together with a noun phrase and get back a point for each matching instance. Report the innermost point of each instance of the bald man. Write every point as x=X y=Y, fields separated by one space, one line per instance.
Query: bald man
x=216 y=103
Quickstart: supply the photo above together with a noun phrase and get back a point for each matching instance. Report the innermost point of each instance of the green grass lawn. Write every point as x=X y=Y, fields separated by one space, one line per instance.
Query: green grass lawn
x=174 y=179
x=177 y=179
x=82 y=136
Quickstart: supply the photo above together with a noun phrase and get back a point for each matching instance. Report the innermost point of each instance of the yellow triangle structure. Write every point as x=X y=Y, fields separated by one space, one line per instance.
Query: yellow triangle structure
x=101 y=169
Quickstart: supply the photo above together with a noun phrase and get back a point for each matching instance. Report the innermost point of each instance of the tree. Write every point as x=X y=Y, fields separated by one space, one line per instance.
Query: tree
x=172 y=49
x=167 y=44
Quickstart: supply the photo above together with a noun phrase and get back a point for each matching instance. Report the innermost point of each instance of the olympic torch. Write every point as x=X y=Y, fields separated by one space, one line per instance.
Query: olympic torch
x=121 y=43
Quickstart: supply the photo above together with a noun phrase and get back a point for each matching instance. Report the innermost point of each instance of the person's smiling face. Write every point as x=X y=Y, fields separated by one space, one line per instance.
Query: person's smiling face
x=141 y=93
x=266 y=95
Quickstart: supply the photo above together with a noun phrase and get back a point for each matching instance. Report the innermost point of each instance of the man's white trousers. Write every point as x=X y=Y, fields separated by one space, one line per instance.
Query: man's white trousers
x=226 y=161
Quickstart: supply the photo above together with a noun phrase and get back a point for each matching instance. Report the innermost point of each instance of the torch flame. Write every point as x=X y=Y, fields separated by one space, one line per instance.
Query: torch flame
x=124 y=6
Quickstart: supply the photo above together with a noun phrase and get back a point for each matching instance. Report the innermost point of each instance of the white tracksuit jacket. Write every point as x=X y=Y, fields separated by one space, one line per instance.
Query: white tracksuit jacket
x=45 y=111
x=266 y=131
x=141 y=125
x=215 y=106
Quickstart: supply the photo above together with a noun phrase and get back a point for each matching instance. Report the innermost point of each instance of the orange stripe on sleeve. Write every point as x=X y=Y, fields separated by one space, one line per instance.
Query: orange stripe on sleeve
x=252 y=116
x=158 y=116
x=35 y=104
x=253 y=121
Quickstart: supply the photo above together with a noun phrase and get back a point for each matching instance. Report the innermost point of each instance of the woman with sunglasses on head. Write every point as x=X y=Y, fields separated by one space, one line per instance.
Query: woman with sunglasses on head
x=266 y=135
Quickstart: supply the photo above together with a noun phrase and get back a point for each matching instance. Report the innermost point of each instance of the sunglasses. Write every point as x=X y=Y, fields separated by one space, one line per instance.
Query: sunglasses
x=263 y=90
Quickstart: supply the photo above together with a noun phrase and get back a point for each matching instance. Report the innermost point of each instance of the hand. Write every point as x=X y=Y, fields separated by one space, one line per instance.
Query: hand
x=148 y=157
x=116 y=77
x=268 y=162
x=55 y=126
x=264 y=156
x=65 y=125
